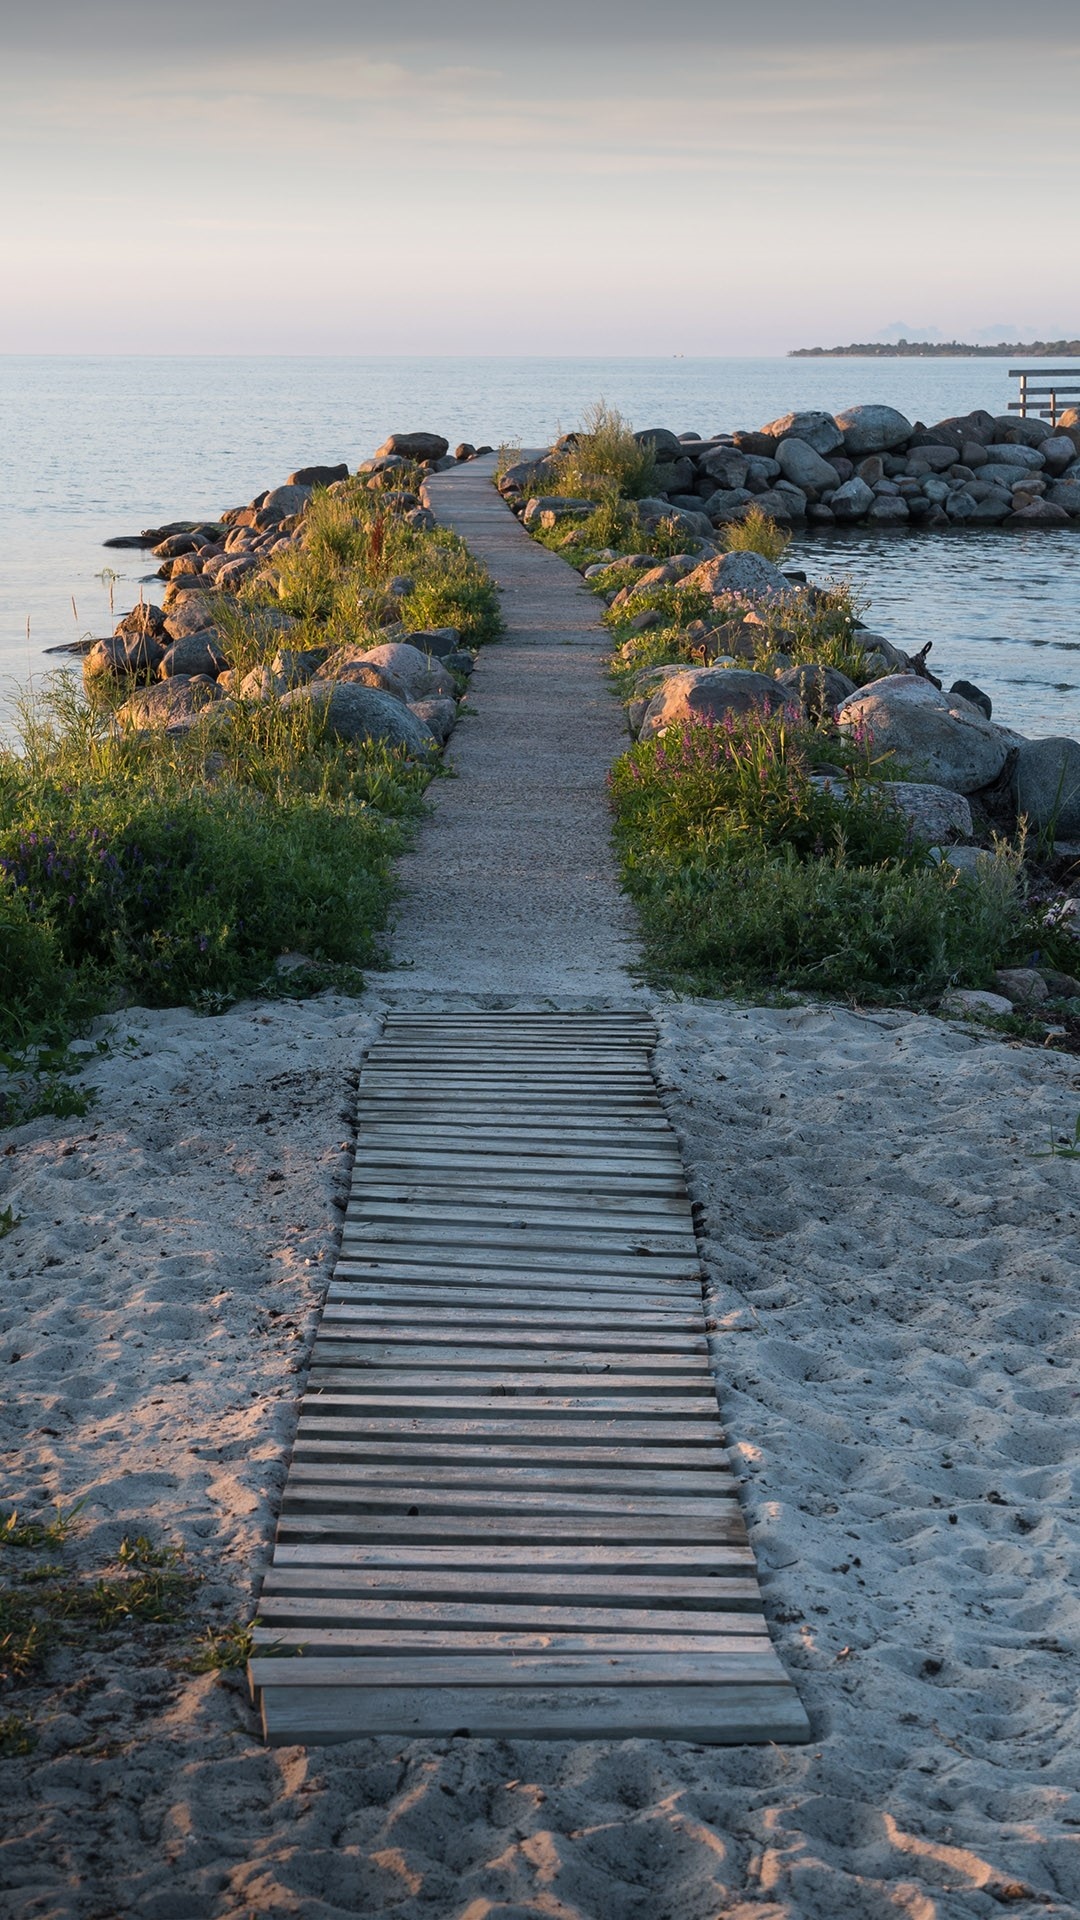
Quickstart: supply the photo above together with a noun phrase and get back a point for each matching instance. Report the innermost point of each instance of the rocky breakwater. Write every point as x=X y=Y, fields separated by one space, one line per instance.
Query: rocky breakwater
x=867 y=467
x=221 y=636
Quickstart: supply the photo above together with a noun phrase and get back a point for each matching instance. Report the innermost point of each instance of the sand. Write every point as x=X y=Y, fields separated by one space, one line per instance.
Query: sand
x=895 y=1298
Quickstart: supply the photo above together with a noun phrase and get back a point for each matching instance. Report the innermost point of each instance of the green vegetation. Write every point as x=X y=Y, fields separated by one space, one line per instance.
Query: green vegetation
x=175 y=867
x=750 y=879
x=757 y=534
x=605 y=454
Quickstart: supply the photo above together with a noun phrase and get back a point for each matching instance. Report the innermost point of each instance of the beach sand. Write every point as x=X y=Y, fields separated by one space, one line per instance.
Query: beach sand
x=895 y=1295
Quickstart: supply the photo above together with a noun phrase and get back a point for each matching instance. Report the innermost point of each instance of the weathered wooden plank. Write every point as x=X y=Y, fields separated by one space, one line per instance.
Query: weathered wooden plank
x=336 y=1391
x=621 y=1463
x=360 y=1323
x=625 y=1209
x=734 y=1715
x=481 y=1308
x=519 y=1254
x=309 y=1519
x=743 y=1656
x=555 y=1271
x=528 y=1669
x=315 y=1464
x=488 y=1224
x=642 y=1389
x=340 y=1346
x=472 y=1615
x=683 y=1442
x=580 y=1559
x=340 y=1485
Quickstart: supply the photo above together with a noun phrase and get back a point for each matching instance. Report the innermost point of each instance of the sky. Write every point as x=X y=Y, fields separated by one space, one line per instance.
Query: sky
x=501 y=177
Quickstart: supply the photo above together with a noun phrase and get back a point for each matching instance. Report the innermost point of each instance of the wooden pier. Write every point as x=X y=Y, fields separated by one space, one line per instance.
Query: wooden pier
x=509 y=1511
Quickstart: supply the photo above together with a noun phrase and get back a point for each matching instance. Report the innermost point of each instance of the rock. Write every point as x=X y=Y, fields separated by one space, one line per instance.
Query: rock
x=414 y=446
x=420 y=674
x=933 y=734
x=559 y=508
x=1058 y=452
x=852 y=500
x=194 y=653
x=120 y=658
x=172 y=706
x=819 y=431
x=761 y=444
x=356 y=671
x=1040 y=513
x=1066 y=495
x=282 y=503
x=460 y=662
x=1045 y=786
x=435 y=640
x=888 y=510
x=708 y=693
x=1010 y=455
x=747 y=574
x=1002 y=474
x=873 y=429
x=961 y=505
x=933 y=459
x=727 y=466
x=934 y=813
x=464 y=451
x=193 y=613
x=297 y=666
x=144 y=621
x=688 y=526
x=799 y=463
x=1060 y=986
x=1021 y=986
x=438 y=715
x=262 y=683
x=818 y=689
x=318 y=476
x=974 y=696
x=422 y=519
x=726 y=505
x=970 y=1002
x=353 y=712
x=991 y=509
x=665 y=445
x=1016 y=431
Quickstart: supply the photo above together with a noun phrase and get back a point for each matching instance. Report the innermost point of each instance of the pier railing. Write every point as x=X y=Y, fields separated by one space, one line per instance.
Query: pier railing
x=1047 y=402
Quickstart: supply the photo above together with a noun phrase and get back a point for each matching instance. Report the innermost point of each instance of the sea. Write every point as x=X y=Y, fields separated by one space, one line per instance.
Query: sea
x=96 y=446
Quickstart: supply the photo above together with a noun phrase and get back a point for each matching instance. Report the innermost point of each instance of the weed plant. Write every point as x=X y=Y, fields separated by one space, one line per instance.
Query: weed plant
x=750 y=880
x=605 y=453
x=757 y=533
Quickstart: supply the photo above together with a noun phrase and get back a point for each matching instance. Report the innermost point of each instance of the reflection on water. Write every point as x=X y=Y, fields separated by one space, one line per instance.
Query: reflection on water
x=1002 y=609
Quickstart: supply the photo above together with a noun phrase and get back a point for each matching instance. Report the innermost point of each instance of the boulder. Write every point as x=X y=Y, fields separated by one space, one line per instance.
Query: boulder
x=992 y=508
x=933 y=459
x=708 y=693
x=934 y=813
x=799 y=463
x=783 y=507
x=819 y=690
x=818 y=430
x=1066 y=495
x=144 y=621
x=726 y=505
x=414 y=446
x=747 y=574
x=356 y=671
x=1040 y=513
x=873 y=429
x=1021 y=986
x=436 y=714
x=422 y=519
x=936 y=736
x=296 y=666
x=975 y=697
x=435 y=640
x=194 y=653
x=172 y=706
x=888 y=510
x=192 y=613
x=1045 y=786
x=665 y=444
x=353 y=712
x=1058 y=452
x=262 y=683
x=1020 y=432
x=420 y=674
x=727 y=466
x=852 y=500
x=1012 y=454
x=318 y=476
x=282 y=502
x=965 y=1003
x=560 y=508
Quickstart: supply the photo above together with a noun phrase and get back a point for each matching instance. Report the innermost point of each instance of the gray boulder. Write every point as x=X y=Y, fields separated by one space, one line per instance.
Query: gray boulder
x=1014 y=431
x=1021 y=986
x=262 y=683
x=284 y=502
x=358 y=713
x=122 y=657
x=1040 y=513
x=196 y=653
x=975 y=697
x=818 y=430
x=318 y=476
x=992 y=508
x=296 y=666
x=172 y=706
x=665 y=444
x=726 y=505
x=853 y=500
x=1058 y=453
x=435 y=640
x=888 y=510
x=818 y=689
x=438 y=715
x=421 y=675
x=873 y=429
x=936 y=736
x=562 y=508
x=708 y=693
x=1065 y=494
x=965 y=1003
x=1046 y=785
x=799 y=463
x=193 y=613
x=727 y=466
x=143 y=622
x=414 y=446
x=1013 y=455
x=934 y=813
x=747 y=574
x=932 y=459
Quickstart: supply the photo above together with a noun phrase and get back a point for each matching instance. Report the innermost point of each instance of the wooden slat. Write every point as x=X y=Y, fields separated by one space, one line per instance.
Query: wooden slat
x=509 y=1508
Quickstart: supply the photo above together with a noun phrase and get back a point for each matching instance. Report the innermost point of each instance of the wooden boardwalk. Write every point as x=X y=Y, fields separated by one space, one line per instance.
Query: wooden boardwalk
x=509 y=1511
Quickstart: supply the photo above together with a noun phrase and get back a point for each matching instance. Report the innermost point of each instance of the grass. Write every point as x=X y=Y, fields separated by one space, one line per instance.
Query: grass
x=749 y=880
x=174 y=869
x=604 y=454
x=757 y=533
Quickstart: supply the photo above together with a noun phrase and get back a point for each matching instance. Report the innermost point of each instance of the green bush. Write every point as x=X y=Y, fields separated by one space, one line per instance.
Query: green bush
x=605 y=451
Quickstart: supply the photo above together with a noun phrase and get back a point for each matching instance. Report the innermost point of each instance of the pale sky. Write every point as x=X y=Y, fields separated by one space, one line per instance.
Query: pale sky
x=488 y=176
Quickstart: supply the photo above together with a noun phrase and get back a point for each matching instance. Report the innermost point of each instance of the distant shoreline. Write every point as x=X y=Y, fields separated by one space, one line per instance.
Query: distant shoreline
x=942 y=350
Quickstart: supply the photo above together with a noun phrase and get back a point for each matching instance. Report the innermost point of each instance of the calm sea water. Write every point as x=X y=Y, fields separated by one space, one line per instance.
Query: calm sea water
x=99 y=446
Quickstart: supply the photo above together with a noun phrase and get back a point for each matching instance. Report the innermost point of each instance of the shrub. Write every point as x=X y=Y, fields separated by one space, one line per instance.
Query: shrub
x=605 y=451
x=757 y=533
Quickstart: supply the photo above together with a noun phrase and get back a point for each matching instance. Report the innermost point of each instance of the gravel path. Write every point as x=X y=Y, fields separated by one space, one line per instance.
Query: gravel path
x=512 y=888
